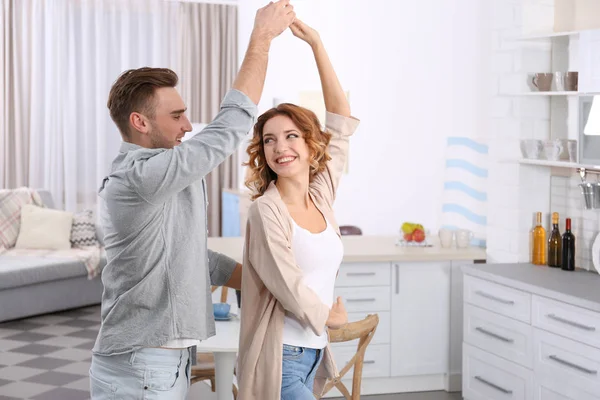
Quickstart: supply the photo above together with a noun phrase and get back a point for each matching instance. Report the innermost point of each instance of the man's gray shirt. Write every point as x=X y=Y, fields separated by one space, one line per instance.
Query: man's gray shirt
x=159 y=271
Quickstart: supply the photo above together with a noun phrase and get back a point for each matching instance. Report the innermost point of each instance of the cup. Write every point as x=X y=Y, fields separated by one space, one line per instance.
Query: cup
x=572 y=149
x=587 y=191
x=221 y=310
x=543 y=81
x=552 y=149
x=463 y=238
x=531 y=148
x=572 y=81
x=446 y=238
x=559 y=81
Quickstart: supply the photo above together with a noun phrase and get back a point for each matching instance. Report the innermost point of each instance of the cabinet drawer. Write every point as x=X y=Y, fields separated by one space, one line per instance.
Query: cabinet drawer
x=369 y=299
x=376 y=361
x=566 y=320
x=364 y=274
x=556 y=388
x=498 y=298
x=488 y=377
x=382 y=334
x=560 y=357
x=499 y=335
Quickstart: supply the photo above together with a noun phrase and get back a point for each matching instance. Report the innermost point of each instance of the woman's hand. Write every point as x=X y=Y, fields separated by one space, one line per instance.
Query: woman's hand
x=305 y=32
x=338 y=316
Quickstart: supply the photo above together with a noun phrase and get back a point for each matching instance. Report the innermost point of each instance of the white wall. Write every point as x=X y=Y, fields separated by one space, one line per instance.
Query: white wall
x=416 y=74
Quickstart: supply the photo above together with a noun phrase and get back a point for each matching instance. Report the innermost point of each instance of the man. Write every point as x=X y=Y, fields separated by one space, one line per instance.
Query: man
x=157 y=303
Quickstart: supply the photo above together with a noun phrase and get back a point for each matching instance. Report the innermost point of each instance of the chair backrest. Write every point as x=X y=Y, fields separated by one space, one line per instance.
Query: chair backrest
x=362 y=330
x=223 y=292
x=350 y=230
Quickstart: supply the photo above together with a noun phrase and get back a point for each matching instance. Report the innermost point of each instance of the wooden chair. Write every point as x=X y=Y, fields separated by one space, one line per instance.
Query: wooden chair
x=364 y=331
x=346 y=230
x=223 y=292
x=205 y=362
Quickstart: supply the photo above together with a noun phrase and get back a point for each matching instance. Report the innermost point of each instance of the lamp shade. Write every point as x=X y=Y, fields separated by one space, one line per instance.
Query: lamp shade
x=592 y=127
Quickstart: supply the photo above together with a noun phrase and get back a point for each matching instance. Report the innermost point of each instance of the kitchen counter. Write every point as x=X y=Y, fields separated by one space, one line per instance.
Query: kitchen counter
x=579 y=288
x=368 y=249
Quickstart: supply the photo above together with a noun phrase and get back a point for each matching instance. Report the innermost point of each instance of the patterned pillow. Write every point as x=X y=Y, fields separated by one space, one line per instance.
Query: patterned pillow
x=11 y=202
x=83 y=231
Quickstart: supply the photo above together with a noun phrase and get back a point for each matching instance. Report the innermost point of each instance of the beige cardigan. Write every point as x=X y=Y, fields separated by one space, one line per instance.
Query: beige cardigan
x=273 y=283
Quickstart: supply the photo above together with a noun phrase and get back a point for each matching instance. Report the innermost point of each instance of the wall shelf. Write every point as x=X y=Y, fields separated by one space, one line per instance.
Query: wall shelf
x=547 y=35
x=550 y=93
x=561 y=164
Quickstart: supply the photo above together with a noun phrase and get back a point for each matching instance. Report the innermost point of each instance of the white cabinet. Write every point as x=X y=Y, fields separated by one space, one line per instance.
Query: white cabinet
x=421 y=318
x=488 y=377
x=549 y=387
x=523 y=342
x=365 y=289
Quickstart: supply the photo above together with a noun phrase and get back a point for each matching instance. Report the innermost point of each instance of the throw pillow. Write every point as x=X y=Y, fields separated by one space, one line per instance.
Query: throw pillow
x=43 y=228
x=83 y=231
x=11 y=202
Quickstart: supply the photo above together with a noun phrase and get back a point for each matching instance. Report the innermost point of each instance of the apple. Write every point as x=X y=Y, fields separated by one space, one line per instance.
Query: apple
x=408 y=237
x=418 y=235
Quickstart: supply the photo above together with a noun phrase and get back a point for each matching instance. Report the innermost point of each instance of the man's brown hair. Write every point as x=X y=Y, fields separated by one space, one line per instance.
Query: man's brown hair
x=134 y=90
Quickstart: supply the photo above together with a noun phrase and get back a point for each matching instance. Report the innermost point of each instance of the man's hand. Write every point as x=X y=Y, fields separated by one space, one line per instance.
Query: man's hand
x=305 y=32
x=270 y=21
x=273 y=19
x=338 y=316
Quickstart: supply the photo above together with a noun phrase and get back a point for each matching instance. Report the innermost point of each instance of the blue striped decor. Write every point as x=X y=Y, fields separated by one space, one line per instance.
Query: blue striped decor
x=464 y=203
x=461 y=187
x=467 y=166
x=460 y=210
x=470 y=143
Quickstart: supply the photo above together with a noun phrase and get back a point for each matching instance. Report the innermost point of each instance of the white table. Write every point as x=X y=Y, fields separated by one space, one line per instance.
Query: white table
x=224 y=345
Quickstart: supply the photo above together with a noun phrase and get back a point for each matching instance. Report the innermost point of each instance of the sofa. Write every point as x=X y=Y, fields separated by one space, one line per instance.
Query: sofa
x=32 y=284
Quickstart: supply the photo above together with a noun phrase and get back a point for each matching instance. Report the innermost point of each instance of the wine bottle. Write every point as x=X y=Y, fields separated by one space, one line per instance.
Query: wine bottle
x=568 y=248
x=555 y=244
x=539 y=242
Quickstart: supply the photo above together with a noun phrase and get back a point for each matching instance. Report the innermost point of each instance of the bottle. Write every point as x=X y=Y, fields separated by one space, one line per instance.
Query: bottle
x=555 y=244
x=539 y=242
x=568 y=248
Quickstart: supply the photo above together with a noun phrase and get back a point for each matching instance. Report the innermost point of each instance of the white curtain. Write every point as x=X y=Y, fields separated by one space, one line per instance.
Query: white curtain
x=208 y=63
x=15 y=25
x=76 y=49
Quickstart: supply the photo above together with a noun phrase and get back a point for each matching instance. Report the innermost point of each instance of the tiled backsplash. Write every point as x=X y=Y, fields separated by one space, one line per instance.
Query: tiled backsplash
x=566 y=200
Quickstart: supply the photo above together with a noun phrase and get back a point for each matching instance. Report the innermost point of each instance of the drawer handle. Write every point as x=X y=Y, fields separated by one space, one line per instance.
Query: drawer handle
x=369 y=362
x=572 y=323
x=360 y=273
x=574 y=366
x=494 y=335
x=491 y=297
x=360 y=300
x=493 y=385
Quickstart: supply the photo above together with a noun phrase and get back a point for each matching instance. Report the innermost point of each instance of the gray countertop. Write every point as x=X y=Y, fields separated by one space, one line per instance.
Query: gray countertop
x=580 y=288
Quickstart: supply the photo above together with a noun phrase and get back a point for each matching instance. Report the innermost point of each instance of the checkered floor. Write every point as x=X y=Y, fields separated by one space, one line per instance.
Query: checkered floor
x=48 y=357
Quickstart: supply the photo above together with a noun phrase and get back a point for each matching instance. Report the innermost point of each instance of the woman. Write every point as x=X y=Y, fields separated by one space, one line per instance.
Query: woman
x=293 y=248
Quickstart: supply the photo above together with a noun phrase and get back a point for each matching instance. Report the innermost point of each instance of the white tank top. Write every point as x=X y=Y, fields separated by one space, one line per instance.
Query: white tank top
x=319 y=256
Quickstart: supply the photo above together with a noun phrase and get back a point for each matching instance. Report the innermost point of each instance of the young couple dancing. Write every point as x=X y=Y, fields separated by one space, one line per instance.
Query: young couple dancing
x=156 y=304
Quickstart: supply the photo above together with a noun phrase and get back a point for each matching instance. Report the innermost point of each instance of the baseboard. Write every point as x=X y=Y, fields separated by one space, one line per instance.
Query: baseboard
x=371 y=386
x=453 y=382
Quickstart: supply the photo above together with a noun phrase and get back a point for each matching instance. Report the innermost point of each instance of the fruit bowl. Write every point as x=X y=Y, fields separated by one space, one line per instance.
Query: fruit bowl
x=412 y=234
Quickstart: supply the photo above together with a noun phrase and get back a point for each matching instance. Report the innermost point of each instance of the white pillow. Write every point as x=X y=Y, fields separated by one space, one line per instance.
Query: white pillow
x=44 y=228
